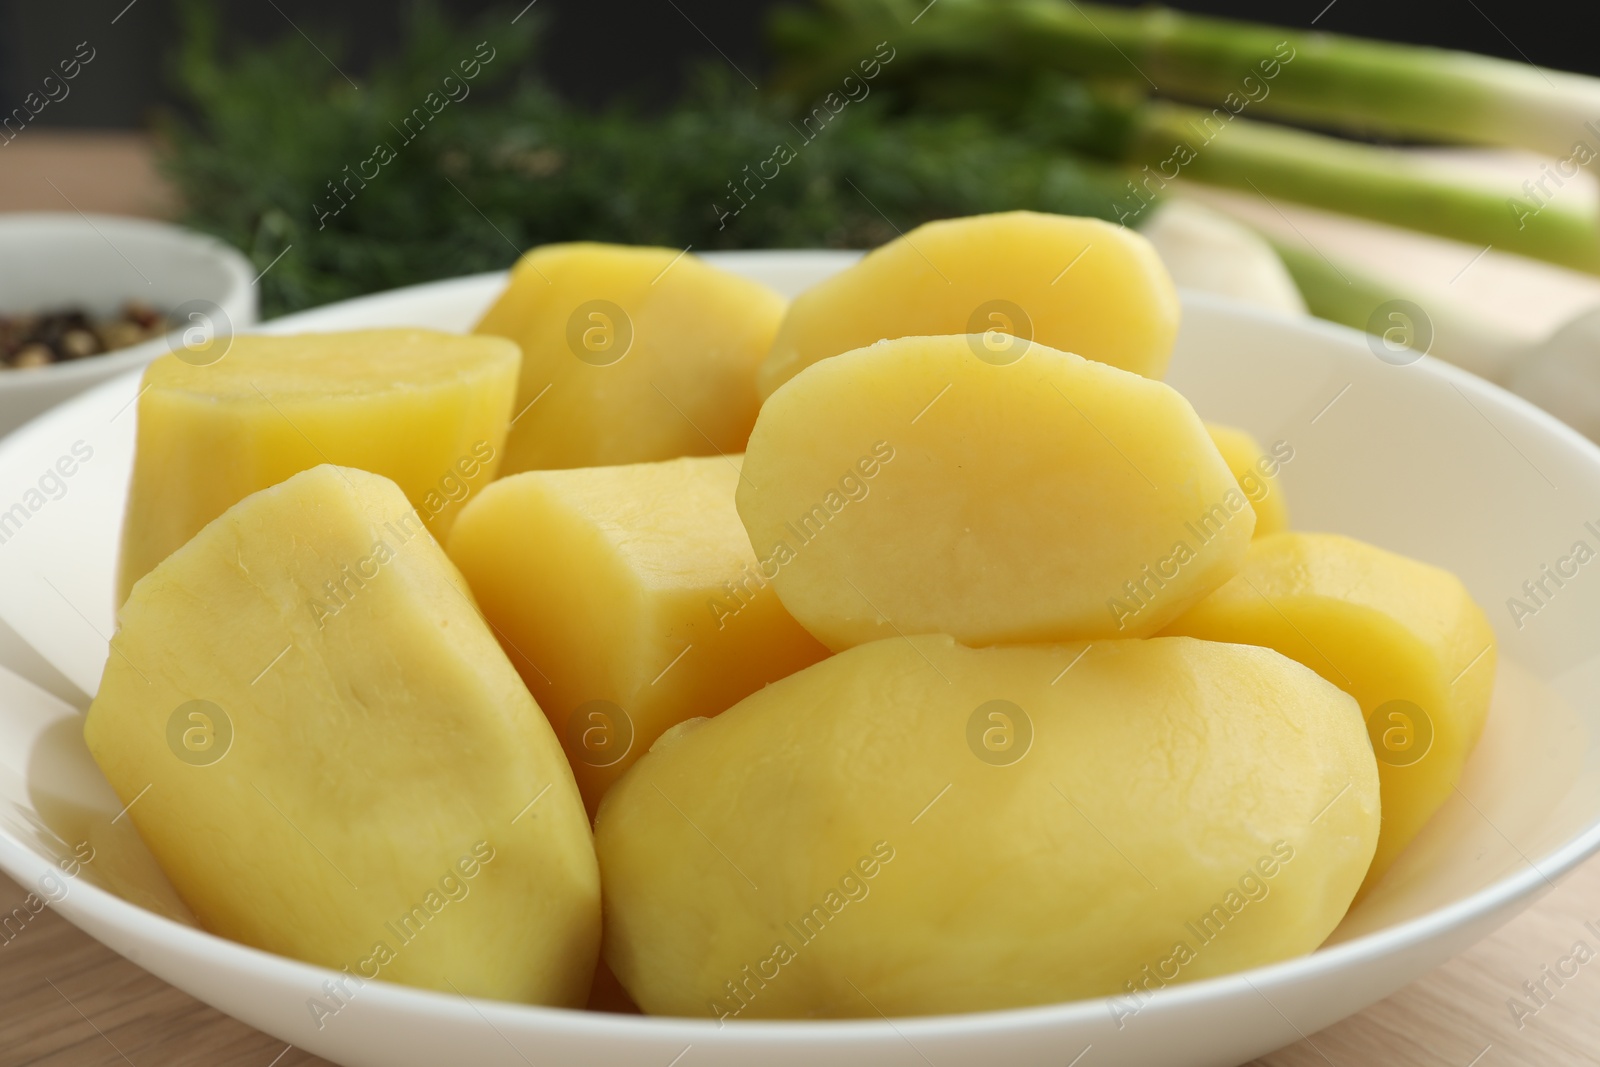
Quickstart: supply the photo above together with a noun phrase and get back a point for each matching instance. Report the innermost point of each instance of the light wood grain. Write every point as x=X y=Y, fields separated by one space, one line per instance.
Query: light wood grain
x=107 y=173
x=67 y=1000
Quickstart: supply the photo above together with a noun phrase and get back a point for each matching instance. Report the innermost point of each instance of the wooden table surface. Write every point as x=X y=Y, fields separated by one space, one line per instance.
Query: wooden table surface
x=111 y=173
x=66 y=1001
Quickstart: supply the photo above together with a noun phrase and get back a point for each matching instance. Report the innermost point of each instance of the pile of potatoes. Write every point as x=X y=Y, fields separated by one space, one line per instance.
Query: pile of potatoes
x=909 y=648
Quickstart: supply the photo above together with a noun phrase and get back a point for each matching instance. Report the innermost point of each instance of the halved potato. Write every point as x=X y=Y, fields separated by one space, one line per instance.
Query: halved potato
x=629 y=600
x=1078 y=284
x=630 y=355
x=914 y=827
x=427 y=409
x=916 y=487
x=1256 y=471
x=331 y=758
x=1402 y=637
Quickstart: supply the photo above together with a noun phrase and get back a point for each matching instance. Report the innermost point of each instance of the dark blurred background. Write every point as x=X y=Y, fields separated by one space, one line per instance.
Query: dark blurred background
x=599 y=50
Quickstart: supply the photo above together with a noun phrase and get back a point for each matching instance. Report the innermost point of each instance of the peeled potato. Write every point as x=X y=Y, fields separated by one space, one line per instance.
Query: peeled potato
x=629 y=600
x=1405 y=639
x=331 y=758
x=917 y=487
x=427 y=409
x=1256 y=471
x=1077 y=284
x=914 y=827
x=630 y=355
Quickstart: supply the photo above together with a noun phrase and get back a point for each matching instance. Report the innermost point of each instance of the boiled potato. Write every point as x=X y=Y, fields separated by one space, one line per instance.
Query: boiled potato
x=332 y=759
x=629 y=599
x=1077 y=284
x=630 y=355
x=914 y=827
x=1256 y=471
x=426 y=409
x=1405 y=639
x=914 y=487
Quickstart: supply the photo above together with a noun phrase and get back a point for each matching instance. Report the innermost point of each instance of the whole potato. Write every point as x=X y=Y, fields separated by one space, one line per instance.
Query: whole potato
x=916 y=827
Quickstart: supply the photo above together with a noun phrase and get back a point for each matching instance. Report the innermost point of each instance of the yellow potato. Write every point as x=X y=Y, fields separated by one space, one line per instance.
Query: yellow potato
x=427 y=409
x=629 y=599
x=1256 y=471
x=914 y=487
x=1405 y=639
x=630 y=355
x=1077 y=284
x=914 y=827
x=332 y=759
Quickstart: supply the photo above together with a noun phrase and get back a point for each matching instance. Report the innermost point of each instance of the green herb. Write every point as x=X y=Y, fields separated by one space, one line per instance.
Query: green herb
x=261 y=162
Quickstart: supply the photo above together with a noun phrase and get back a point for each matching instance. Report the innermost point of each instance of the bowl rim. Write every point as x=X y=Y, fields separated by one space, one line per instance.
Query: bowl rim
x=1537 y=874
x=229 y=264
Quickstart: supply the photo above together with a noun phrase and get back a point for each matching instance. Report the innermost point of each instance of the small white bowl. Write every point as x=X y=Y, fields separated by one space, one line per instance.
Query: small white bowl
x=51 y=260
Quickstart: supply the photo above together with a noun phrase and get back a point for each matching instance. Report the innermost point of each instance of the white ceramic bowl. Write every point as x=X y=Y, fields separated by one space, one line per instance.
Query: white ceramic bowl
x=99 y=262
x=1422 y=459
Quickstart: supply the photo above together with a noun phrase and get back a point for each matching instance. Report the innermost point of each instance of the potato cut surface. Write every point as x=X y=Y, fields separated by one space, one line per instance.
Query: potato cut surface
x=630 y=355
x=915 y=827
x=332 y=759
x=1402 y=637
x=1256 y=471
x=629 y=599
x=426 y=409
x=914 y=487
x=1081 y=285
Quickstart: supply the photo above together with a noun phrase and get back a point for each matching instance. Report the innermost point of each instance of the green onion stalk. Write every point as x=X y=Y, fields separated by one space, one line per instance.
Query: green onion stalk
x=1363 y=86
x=1381 y=184
x=1332 y=292
x=1240 y=72
x=1433 y=323
x=1372 y=87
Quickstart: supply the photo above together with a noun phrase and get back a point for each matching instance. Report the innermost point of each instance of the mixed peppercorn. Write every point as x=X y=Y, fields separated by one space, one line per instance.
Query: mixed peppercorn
x=38 y=340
